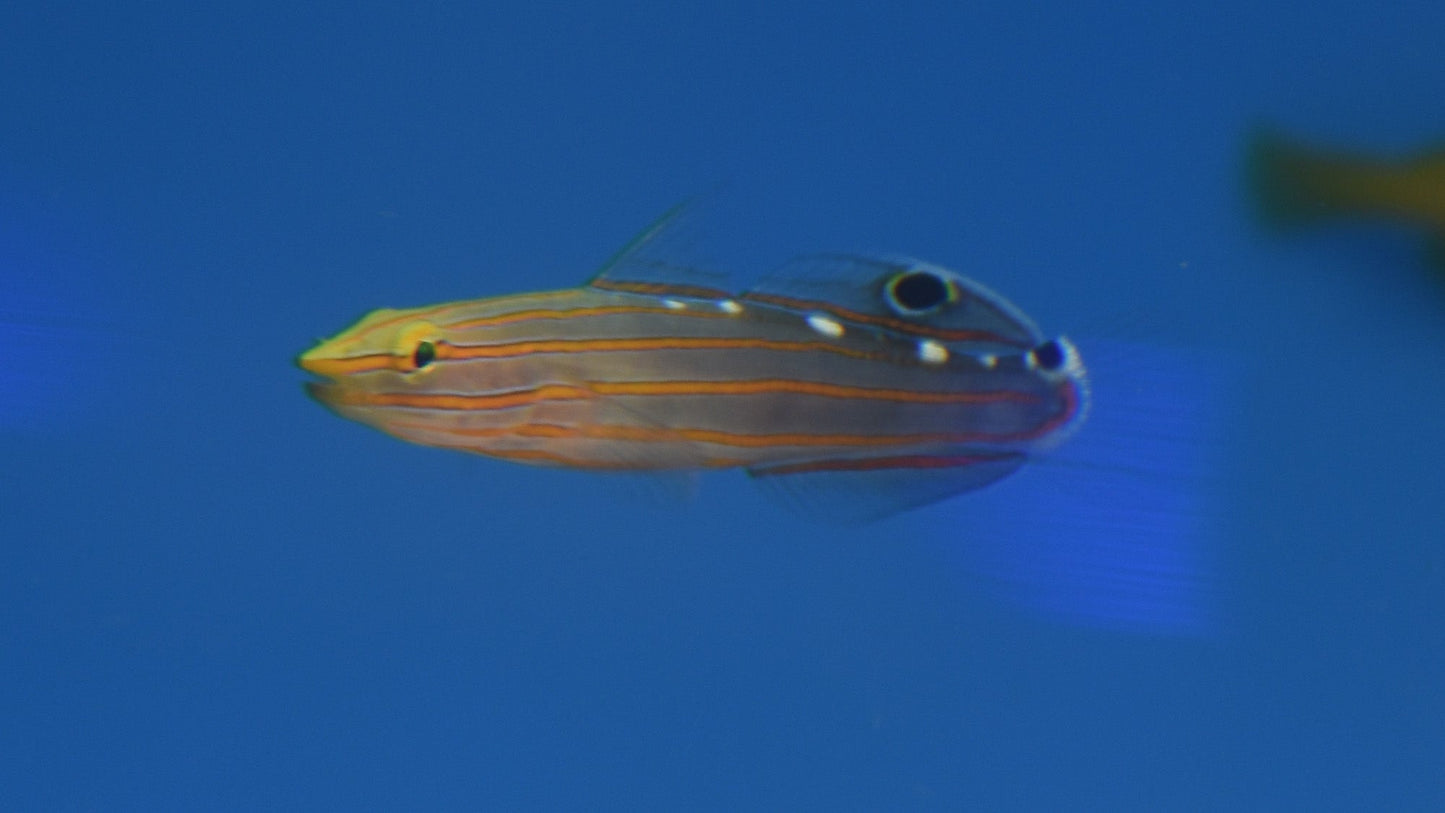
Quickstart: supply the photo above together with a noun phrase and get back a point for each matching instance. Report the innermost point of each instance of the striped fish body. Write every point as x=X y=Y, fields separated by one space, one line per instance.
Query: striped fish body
x=824 y=375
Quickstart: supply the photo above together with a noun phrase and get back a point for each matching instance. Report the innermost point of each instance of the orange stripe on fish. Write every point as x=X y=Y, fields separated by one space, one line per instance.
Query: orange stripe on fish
x=648 y=434
x=777 y=385
x=374 y=362
x=915 y=461
x=507 y=400
x=568 y=461
x=660 y=289
x=430 y=313
x=552 y=314
x=527 y=348
x=516 y=398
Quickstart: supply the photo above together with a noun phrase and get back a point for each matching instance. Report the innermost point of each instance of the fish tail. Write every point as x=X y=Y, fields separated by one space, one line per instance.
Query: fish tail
x=1123 y=532
x=1289 y=184
x=1435 y=253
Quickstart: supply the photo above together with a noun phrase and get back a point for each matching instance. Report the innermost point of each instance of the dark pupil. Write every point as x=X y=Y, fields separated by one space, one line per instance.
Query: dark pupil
x=425 y=354
x=919 y=292
x=1049 y=356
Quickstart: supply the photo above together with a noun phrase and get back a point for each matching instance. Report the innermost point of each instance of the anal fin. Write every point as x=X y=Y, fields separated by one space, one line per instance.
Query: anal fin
x=864 y=489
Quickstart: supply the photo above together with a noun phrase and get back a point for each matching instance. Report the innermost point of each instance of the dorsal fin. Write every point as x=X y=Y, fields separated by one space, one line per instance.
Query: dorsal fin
x=651 y=262
x=866 y=289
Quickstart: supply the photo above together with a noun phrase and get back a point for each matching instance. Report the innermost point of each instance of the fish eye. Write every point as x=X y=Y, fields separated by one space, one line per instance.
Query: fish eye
x=1048 y=356
x=917 y=292
x=424 y=354
x=414 y=347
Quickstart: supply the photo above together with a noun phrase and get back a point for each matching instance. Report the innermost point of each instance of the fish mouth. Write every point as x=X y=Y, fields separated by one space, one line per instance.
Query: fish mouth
x=322 y=391
x=326 y=391
x=328 y=394
x=338 y=400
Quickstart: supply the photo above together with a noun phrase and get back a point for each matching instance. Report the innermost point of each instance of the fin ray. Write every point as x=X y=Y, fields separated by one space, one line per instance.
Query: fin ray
x=1123 y=532
x=651 y=261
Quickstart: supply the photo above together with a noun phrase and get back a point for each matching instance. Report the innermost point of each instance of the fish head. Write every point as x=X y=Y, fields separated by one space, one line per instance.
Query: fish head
x=369 y=369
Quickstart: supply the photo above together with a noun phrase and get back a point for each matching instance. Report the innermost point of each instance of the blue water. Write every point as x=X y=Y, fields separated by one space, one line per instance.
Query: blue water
x=216 y=595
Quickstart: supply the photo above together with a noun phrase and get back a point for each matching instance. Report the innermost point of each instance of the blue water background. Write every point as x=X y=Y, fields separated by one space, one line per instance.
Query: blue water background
x=216 y=595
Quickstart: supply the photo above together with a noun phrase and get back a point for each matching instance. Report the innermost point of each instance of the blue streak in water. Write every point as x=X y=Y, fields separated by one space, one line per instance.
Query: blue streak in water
x=33 y=348
x=53 y=350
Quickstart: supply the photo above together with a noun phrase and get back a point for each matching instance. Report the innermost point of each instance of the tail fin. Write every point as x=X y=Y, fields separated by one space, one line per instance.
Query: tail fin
x=1124 y=531
x=1290 y=185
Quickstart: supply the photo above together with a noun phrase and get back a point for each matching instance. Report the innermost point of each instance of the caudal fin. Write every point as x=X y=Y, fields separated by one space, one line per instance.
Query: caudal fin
x=1123 y=528
x=1290 y=185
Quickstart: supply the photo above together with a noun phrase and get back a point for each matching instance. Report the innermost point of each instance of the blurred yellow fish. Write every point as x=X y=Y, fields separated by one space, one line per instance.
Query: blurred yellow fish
x=1298 y=185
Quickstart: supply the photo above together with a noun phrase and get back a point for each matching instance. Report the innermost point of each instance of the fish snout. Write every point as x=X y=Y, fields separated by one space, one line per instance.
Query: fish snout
x=322 y=365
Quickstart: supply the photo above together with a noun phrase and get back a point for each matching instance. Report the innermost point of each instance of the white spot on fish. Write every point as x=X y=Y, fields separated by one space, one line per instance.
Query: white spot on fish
x=988 y=361
x=932 y=352
x=825 y=325
x=730 y=307
x=674 y=304
x=1073 y=365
